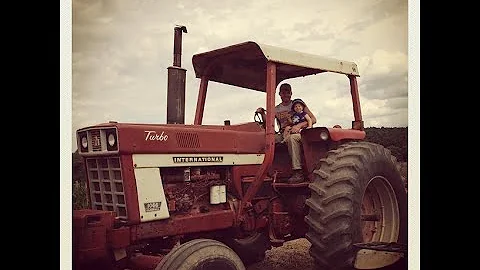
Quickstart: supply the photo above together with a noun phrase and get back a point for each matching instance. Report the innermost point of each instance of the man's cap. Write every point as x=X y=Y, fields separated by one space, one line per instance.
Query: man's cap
x=298 y=100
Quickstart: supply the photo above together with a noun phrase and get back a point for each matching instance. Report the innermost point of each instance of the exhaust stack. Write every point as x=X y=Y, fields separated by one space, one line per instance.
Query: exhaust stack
x=176 y=81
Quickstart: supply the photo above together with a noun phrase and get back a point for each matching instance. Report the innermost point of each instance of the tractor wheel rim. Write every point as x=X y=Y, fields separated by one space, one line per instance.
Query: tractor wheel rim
x=379 y=212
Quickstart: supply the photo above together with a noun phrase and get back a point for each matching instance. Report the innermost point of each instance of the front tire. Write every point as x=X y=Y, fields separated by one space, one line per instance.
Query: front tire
x=201 y=254
x=357 y=196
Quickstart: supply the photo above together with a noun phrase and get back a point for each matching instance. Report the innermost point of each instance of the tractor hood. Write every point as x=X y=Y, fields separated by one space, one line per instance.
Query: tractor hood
x=247 y=138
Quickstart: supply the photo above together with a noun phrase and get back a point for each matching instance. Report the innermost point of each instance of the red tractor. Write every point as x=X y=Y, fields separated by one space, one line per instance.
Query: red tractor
x=178 y=196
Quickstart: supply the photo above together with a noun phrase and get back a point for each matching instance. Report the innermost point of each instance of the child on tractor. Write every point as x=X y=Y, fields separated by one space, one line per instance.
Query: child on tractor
x=298 y=115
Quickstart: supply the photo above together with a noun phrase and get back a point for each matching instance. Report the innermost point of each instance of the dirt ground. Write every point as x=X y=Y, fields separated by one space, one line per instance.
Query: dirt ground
x=294 y=255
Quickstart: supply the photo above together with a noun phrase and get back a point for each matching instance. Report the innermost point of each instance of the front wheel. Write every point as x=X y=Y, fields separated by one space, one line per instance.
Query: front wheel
x=201 y=254
x=357 y=196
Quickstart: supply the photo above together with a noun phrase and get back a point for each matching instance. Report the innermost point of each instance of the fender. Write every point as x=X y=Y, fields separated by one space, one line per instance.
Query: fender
x=338 y=134
x=334 y=134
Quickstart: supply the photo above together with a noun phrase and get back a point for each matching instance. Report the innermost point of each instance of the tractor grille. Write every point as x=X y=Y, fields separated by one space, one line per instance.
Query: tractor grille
x=187 y=140
x=96 y=140
x=106 y=185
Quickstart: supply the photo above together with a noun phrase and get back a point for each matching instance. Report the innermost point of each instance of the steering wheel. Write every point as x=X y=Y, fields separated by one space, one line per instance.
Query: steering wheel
x=257 y=117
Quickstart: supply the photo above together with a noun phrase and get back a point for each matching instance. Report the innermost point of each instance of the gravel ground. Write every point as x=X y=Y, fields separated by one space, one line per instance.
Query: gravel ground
x=292 y=255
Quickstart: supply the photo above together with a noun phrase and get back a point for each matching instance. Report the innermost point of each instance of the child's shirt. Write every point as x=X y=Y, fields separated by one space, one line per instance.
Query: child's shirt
x=298 y=117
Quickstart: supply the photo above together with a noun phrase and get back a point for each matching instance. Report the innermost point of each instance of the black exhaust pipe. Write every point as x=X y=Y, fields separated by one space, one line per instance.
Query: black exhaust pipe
x=176 y=81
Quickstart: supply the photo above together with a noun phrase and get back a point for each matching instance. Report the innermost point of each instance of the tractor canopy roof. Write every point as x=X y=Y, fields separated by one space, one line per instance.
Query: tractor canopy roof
x=244 y=64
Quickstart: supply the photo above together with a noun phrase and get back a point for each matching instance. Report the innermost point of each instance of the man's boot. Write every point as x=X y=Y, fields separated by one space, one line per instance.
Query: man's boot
x=297 y=177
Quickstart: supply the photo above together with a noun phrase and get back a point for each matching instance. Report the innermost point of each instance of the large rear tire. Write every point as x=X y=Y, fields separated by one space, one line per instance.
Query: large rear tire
x=357 y=196
x=201 y=254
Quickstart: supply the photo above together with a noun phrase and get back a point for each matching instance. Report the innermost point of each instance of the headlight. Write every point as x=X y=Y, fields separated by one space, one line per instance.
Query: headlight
x=111 y=139
x=112 y=142
x=84 y=142
x=324 y=135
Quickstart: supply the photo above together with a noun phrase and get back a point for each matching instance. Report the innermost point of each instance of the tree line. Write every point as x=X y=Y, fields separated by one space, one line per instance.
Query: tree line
x=395 y=139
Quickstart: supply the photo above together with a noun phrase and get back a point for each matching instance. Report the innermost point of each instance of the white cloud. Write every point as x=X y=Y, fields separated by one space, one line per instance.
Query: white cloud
x=385 y=62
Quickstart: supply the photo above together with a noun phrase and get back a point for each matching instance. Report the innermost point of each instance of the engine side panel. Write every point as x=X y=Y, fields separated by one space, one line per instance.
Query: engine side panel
x=151 y=197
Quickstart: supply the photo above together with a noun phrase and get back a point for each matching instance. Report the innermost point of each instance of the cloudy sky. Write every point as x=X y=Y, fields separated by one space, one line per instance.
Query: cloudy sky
x=121 y=50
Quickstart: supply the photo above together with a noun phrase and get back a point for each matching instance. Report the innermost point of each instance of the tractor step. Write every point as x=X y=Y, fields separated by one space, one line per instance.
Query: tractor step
x=375 y=255
x=383 y=246
x=288 y=185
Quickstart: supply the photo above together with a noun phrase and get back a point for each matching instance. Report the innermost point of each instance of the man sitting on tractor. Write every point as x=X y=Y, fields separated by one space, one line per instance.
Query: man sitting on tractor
x=294 y=143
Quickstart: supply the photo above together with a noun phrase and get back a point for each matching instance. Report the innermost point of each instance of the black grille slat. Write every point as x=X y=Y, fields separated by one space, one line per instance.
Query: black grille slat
x=187 y=140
